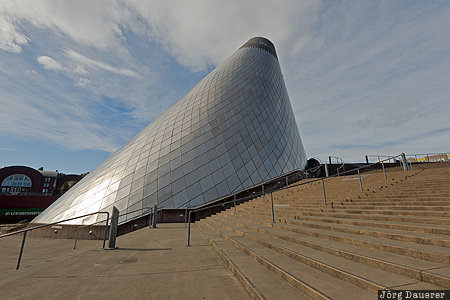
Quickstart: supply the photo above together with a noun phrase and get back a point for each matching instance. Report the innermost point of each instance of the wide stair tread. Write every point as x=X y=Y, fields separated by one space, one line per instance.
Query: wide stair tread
x=330 y=286
x=432 y=272
x=440 y=240
x=378 y=217
x=361 y=275
x=260 y=282
x=426 y=252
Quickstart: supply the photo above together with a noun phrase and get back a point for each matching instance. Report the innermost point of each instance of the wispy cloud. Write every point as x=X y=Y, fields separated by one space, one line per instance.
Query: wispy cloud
x=362 y=76
x=92 y=63
x=49 y=63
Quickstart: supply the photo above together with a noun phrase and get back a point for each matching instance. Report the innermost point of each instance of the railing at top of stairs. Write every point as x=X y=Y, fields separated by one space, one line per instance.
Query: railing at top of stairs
x=401 y=158
x=26 y=230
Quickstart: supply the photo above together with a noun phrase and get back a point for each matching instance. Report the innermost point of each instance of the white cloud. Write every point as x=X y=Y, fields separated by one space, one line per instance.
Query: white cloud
x=201 y=33
x=49 y=63
x=11 y=40
x=361 y=77
x=83 y=82
x=92 y=63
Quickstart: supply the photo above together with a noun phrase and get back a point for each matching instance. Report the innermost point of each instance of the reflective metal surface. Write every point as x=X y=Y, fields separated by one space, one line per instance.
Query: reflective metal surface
x=233 y=130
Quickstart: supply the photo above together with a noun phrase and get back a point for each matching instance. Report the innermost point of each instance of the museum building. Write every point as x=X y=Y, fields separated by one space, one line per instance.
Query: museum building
x=233 y=130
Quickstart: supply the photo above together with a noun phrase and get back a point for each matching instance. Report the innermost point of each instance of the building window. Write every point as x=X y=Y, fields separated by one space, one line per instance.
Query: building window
x=45 y=190
x=18 y=180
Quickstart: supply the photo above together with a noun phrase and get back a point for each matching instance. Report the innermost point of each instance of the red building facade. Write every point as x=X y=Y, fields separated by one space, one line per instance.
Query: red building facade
x=25 y=192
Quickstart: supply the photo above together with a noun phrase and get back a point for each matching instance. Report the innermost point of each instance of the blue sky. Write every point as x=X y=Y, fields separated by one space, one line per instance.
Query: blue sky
x=78 y=79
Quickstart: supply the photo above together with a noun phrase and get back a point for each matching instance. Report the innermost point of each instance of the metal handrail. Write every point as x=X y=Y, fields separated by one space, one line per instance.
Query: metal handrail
x=200 y=208
x=427 y=155
x=150 y=209
x=54 y=223
x=285 y=176
x=338 y=159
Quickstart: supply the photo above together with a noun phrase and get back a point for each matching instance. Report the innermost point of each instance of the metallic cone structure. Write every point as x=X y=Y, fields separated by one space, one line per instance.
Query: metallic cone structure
x=235 y=129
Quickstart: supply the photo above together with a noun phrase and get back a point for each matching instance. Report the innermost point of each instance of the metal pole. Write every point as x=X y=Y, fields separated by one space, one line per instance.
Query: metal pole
x=273 y=215
x=21 y=249
x=360 y=182
x=264 y=195
x=106 y=230
x=384 y=171
x=113 y=229
x=189 y=231
x=404 y=162
x=367 y=159
x=326 y=170
x=155 y=212
x=324 y=196
x=287 y=181
x=235 y=201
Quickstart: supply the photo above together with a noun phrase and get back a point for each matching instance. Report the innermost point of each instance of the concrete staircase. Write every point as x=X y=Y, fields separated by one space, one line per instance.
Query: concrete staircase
x=395 y=234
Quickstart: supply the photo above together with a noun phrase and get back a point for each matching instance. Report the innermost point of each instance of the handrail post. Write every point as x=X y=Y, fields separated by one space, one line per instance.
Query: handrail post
x=189 y=230
x=360 y=182
x=404 y=162
x=155 y=212
x=324 y=196
x=185 y=216
x=327 y=173
x=106 y=229
x=271 y=201
x=263 y=195
x=235 y=201
x=76 y=239
x=113 y=229
x=21 y=249
x=384 y=171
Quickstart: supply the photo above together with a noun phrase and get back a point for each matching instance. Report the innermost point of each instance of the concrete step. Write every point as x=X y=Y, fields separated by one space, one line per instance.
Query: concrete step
x=435 y=273
x=425 y=252
x=377 y=217
x=259 y=282
x=338 y=205
x=369 y=278
x=440 y=240
x=413 y=227
x=310 y=281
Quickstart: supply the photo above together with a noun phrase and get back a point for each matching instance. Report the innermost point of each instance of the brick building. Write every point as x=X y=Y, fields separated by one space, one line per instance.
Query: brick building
x=25 y=192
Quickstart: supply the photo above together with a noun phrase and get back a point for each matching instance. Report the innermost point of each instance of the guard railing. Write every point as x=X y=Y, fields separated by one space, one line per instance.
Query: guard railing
x=26 y=230
x=398 y=158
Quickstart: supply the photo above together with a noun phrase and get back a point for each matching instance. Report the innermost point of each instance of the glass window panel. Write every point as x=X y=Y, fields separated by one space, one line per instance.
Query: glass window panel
x=180 y=199
x=218 y=176
x=152 y=176
x=136 y=196
x=190 y=178
x=123 y=192
x=178 y=185
x=206 y=183
x=126 y=181
x=150 y=200
x=194 y=190
x=137 y=184
x=177 y=173
x=163 y=181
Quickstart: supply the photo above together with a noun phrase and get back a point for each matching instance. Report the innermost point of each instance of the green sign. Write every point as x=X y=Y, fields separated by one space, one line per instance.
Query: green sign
x=20 y=211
